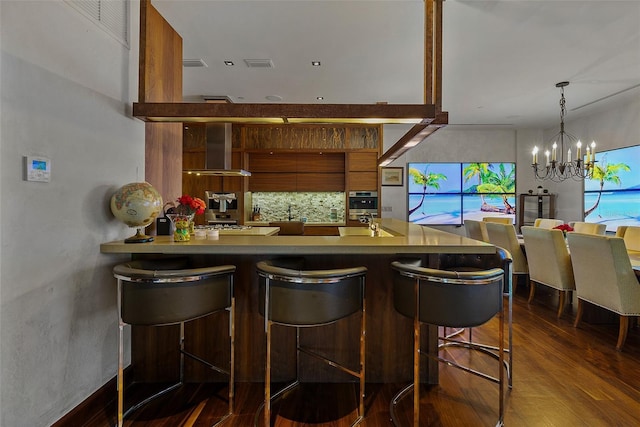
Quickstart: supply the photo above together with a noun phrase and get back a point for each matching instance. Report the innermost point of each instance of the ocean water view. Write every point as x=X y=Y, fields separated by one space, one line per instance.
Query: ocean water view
x=444 y=209
x=615 y=208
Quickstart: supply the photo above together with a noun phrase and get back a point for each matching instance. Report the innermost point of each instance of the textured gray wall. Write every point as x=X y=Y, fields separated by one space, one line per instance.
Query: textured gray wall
x=66 y=89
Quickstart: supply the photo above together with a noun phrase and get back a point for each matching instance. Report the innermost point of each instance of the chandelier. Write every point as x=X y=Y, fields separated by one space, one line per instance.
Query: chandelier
x=560 y=170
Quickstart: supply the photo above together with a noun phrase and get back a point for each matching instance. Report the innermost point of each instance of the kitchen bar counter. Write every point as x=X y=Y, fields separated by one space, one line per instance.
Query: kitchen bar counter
x=389 y=334
x=407 y=239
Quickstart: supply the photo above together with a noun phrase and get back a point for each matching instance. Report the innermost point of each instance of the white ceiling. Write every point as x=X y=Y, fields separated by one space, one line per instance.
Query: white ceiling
x=501 y=59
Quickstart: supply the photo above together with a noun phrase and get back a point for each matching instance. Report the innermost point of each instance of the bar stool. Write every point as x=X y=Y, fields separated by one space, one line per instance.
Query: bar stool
x=457 y=299
x=165 y=292
x=294 y=297
x=476 y=262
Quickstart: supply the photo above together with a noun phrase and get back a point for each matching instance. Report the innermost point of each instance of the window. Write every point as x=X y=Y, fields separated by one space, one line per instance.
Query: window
x=612 y=197
x=449 y=193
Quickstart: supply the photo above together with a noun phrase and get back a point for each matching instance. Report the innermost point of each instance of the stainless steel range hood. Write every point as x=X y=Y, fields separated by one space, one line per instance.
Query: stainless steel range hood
x=218 y=152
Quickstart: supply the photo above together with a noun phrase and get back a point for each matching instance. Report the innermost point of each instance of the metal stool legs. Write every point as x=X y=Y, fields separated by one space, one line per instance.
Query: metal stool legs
x=335 y=294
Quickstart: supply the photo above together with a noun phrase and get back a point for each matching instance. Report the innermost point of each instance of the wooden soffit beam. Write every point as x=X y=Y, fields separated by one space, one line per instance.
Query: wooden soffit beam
x=285 y=113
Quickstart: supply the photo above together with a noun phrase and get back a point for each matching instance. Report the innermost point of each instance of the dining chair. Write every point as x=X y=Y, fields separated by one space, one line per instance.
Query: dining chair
x=632 y=238
x=589 y=228
x=498 y=219
x=476 y=230
x=547 y=223
x=549 y=262
x=504 y=235
x=604 y=277
x=621 y=230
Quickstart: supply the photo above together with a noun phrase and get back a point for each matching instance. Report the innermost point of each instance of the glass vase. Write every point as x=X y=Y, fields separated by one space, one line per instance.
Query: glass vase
x=181 y=226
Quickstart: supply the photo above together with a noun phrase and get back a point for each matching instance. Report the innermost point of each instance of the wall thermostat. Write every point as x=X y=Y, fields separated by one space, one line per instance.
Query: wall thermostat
x=37 y=169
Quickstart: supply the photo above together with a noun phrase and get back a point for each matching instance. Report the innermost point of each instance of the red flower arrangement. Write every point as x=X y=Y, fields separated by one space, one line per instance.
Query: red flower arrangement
x=190 y=205
x=564 y=228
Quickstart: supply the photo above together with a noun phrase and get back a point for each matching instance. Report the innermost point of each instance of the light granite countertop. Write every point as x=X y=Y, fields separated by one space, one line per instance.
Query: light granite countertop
x=407 y=239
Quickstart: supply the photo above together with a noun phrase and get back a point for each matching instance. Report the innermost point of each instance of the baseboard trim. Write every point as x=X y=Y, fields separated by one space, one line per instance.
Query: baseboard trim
x=96 y=405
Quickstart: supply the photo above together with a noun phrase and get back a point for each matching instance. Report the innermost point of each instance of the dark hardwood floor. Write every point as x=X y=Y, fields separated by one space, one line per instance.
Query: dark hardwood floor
x=563 y=376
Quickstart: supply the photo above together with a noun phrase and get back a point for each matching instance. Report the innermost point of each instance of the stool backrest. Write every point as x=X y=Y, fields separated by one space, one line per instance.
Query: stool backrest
x=309 y=297
x=155 y=293
x=475 y=262
x=448 y=298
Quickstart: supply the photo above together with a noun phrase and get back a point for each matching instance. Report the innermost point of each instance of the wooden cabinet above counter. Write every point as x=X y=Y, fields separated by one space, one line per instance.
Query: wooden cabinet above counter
x=277 y=171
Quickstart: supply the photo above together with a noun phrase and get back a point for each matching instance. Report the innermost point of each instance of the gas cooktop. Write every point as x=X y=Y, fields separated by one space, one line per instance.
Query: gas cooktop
x=228 y=227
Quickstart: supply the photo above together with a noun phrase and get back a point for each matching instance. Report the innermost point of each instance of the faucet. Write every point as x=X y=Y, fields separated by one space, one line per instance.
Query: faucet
x=375 y=228
x=289 y=213
x=367 y=218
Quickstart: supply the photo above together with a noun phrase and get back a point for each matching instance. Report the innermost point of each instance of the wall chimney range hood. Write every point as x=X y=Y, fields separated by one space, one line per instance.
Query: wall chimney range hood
x=218 y=153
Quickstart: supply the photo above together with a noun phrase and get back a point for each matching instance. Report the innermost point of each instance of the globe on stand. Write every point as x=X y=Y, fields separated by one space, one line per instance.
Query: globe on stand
x=137 y=204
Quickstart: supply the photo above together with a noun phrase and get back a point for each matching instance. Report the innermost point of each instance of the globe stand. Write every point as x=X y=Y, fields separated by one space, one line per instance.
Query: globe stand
x=139 y=237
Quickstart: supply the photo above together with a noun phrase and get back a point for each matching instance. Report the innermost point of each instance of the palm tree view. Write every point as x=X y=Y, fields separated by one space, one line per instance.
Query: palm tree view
x=444 y=193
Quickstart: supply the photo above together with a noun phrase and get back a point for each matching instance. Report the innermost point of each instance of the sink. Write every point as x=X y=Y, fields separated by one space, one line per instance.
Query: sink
x=362 y=231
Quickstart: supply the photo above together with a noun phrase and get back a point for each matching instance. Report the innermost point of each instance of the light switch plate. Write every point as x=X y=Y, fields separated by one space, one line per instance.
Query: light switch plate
x=37 y=168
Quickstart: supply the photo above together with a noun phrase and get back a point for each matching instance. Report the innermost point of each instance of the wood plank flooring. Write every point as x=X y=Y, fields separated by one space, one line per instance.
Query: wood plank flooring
x=563 y=377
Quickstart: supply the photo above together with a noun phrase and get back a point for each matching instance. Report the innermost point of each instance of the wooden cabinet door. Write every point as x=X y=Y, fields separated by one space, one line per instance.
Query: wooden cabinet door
x=272 y=162
x=268 y=181
x=320 y=182
x=360 y=181
x=320 y=162
x=363 y=161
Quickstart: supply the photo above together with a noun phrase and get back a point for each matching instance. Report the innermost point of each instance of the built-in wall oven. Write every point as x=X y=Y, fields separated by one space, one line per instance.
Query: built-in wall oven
x=362 y=203
x=222 y=208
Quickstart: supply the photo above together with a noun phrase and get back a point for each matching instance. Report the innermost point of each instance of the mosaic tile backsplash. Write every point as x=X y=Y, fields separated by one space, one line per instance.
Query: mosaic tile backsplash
x=315 y=207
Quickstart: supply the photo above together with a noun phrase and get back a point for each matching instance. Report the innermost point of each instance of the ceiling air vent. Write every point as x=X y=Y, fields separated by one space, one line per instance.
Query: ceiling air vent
x=194 y=63
x=259 y=63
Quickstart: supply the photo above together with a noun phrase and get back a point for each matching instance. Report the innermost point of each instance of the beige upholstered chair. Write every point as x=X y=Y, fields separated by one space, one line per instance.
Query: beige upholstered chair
x=549 y=262
x=476 y=230
x=504 y=235
x=604 y=277
x=632 y=238
x=621 y=230
x=547 y=222
x=589 y=228
x=498 y=219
